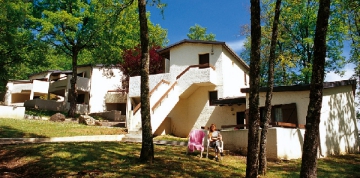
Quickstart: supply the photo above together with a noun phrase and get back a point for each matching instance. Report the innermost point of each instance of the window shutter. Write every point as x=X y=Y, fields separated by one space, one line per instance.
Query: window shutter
x=289 y=113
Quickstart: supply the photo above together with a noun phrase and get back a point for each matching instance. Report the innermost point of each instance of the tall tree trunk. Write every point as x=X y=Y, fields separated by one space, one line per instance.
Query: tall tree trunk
x=311 y=142
x=73 y=93
x=253 y=135
x=270 y=86
x=147 y=149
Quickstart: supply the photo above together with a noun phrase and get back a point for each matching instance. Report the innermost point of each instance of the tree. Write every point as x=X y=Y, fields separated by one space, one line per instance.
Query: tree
x=18 y=45
x=270 y=86
x=253 y=136
x=295 y=41
x=73 y=27
x=311 y=141
x=351 y=9
x=198 y=32
x=131 y=65
x=124 y=35
x=147 y=147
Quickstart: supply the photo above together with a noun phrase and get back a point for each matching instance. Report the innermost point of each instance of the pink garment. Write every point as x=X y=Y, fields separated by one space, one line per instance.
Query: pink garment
x=196 y=138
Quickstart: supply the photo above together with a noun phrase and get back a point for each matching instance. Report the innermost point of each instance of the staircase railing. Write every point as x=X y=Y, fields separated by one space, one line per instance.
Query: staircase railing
x=162 y=97
x=137 y=107
x=193 y=66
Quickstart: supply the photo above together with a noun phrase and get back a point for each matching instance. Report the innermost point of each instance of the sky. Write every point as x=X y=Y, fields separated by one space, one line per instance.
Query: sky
x=222 y=18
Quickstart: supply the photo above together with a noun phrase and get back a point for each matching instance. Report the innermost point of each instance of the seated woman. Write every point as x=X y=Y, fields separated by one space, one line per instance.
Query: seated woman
x=215 y=138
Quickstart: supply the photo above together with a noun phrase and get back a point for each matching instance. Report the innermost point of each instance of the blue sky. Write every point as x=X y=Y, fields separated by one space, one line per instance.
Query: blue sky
x=222 y=18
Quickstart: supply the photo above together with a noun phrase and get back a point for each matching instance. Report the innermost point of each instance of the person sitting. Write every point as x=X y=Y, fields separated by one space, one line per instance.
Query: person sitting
x=215 y=139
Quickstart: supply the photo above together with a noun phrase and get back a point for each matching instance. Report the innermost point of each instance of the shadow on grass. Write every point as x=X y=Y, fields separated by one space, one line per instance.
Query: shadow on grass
x=121 y=159
x=10 y=132
x=337 y=165
x=110 y=159
x=332 y=166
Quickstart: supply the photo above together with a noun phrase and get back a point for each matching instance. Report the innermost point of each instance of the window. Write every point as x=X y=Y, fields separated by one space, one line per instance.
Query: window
x=278 y=114
x=240 y=119
x=80 y=99
x=204 y=59
x=82 y=74
x=213 y=95
x=281 y=113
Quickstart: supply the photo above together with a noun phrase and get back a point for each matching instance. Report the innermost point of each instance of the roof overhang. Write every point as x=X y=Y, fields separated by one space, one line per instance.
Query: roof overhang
x=305 y=87
x=230 y=101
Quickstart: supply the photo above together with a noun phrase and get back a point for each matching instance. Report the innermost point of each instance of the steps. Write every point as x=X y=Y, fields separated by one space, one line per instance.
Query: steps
x=113 y=124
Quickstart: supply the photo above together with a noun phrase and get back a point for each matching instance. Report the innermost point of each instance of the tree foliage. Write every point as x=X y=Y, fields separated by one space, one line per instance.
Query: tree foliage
x=18 y=48
x=198 y=32
x=295 y=44
x=352 y=11
x=126 y=35
x=131 y=65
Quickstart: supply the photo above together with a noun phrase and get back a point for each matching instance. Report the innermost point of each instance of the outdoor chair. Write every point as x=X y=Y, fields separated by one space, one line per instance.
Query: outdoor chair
x=221 y=148
x=196 y=141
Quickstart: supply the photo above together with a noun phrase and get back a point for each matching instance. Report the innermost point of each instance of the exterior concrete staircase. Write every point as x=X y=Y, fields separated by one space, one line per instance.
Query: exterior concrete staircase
x=164 y=96
x=133 y=136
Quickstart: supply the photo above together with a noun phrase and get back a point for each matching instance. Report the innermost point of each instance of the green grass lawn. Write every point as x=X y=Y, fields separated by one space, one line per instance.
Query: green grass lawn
x=21 y=128
x=120 y=159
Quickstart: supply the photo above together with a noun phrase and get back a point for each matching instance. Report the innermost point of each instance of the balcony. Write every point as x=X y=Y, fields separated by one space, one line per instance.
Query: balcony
x=82 y=84
x=115 y=97
x=134 y=88
x=60 y=84
x=40 y=86
x=200 y=76
x=22 y=88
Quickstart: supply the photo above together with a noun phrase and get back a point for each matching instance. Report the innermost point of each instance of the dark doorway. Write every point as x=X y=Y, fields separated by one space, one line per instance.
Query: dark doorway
x=240 y=118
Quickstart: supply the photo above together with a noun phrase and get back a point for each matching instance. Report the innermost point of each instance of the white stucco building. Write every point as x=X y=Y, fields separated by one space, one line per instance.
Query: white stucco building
x=98 y=89
x=196 y=74
x=19 y=91
x=201 y=85
x=338 y=128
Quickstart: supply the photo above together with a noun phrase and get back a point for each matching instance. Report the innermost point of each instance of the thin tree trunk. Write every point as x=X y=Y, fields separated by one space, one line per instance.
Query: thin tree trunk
x=311 y=142
x=73 y=93
x=253 y=134
x=265 y=123
x=147 y=149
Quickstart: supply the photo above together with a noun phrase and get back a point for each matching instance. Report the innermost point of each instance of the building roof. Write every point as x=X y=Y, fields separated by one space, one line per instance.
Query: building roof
x=304 y=87
x=165 y=51
x=96 y=65
x=19 y=81
x=62 y=72
x=230 y=101
x=242 y=100
x=70 y=71
x=42 y=72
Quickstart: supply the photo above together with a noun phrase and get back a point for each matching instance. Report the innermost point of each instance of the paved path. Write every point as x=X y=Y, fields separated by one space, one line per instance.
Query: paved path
x=92 y=138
